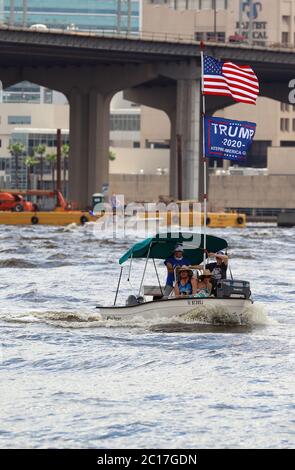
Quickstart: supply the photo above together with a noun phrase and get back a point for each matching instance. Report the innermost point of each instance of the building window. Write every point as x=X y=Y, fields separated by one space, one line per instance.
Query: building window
x=2 y=164
x=221 y=4
x=218 y=36
x=206 y=5
x=285 y=125
x=48 y=96
x=285 y=38
x=199 y=36
x=293 y=125
x=192 y=4
x=19 y=119
x=286 y=20
x=210 y=36
x=125 y=122
x=23 y=92
x=209 y=4
x=287 y=143
x=285 y=107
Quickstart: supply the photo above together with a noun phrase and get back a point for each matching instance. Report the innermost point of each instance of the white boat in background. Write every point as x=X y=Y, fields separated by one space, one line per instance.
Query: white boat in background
x=232 y=300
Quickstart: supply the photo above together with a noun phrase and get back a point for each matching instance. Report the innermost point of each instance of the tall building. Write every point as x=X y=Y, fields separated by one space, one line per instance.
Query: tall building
x=86 y=15
x=117 y=16
x=114 y=16
x=272 y=24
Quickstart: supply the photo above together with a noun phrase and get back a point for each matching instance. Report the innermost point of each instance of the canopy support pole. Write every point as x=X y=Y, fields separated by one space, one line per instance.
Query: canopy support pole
x=144 y=271
x=118 y=286
x=158 y=277
x=204 y=158
x=130 y=266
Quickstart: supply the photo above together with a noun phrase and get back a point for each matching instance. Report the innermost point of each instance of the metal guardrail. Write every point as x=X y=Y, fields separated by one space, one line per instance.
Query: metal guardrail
x=178 y=38
x=141 y=35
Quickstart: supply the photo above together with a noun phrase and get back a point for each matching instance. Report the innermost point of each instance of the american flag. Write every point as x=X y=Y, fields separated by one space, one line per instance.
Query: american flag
x=228 y=79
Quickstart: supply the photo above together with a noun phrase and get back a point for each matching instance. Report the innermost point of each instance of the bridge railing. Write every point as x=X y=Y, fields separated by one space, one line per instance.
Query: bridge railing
x=144 y=35
x=171 y=37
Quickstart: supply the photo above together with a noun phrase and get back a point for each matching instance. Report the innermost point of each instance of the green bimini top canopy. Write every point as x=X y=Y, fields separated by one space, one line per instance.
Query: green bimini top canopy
x=162 y=246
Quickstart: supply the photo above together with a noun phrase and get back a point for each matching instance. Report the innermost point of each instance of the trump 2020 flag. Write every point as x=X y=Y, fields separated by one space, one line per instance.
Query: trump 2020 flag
x=228 y=139
x=228 y=79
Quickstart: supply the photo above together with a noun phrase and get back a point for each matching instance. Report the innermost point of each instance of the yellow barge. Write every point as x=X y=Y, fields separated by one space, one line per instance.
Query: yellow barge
x=60 y=217
x=46 y=218
x=194 y=219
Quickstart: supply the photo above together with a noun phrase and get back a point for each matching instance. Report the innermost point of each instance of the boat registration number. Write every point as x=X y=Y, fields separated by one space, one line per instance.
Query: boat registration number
x=196 y=302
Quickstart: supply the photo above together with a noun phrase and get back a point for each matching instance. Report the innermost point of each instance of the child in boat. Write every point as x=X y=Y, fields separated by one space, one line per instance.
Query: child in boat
x=186 y=284
x=204 y=284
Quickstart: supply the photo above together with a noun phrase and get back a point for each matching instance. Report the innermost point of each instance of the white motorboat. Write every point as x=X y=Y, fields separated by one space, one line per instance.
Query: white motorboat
x=210 y=307
x=232 y=300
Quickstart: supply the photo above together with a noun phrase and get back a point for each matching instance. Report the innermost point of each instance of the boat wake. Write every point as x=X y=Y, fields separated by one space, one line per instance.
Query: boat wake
x=194 y=321
x=251 y=316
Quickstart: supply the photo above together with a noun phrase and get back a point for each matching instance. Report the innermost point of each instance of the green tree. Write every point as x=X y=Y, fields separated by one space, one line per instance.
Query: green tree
x=112 y=155
x=17 y=150
x=65 y=152
x=30 y=162
x=51 y=158
x=39 y=152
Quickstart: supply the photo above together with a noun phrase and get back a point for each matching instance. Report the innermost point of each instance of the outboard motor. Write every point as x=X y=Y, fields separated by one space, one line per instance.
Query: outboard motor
x=232 y=289
x=134 y=300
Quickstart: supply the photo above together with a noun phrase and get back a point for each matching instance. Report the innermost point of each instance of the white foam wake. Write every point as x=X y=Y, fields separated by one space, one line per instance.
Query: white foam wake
x=251 y=316
x=254 y=315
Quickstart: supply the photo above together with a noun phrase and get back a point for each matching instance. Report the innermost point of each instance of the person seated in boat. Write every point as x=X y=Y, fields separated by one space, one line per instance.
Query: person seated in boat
x=175 y=260
x=204 y=284
x=218 y=268
x=186 y=284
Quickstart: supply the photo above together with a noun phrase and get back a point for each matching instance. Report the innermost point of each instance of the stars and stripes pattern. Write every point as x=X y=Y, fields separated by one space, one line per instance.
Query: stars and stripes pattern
x=228 y=79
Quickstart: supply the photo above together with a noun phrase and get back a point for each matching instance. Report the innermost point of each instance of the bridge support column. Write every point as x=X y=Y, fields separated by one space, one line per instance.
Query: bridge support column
x=188 y=126
x=98 y=154
x=89 y=143
x=173 y=172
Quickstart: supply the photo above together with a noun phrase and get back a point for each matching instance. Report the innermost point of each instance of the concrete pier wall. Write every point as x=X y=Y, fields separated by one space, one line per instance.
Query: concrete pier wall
x=270 y=192
x=139 y=187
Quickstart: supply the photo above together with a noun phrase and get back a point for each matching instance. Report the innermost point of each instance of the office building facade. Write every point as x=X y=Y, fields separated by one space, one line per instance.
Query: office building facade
x=86 y=15
x=272 y=24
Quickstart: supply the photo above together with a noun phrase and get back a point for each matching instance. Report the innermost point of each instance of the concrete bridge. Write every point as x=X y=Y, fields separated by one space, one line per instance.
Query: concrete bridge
x=89 y=69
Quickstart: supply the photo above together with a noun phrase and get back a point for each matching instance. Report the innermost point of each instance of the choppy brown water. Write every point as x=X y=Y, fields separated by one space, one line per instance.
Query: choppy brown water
x=70 y=380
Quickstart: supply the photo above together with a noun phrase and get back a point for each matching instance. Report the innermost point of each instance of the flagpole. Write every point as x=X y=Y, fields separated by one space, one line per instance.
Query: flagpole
x=204 y=157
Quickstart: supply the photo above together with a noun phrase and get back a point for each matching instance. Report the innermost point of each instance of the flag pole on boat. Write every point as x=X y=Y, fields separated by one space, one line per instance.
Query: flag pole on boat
x=202 y=45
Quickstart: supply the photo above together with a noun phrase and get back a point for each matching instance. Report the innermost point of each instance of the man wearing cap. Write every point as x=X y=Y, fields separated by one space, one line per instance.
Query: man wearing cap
x=174 y=261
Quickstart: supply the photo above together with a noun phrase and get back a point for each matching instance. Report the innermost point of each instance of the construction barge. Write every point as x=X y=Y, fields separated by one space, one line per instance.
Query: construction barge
x=16 y=210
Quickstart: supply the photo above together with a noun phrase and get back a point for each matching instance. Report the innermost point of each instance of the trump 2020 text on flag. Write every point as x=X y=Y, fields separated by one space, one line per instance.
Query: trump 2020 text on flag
x=228 y=139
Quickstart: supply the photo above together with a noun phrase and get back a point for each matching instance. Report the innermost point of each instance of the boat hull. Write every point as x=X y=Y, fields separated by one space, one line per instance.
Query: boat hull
x=205 y=308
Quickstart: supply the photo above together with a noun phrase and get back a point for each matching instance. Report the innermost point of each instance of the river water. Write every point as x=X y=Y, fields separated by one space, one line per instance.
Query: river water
x=70 y=380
